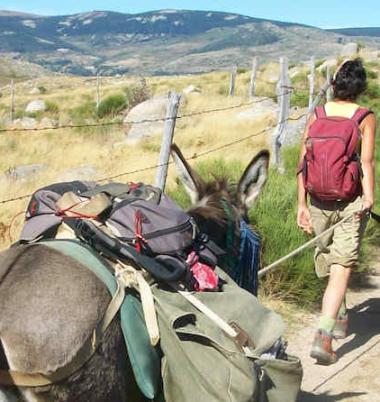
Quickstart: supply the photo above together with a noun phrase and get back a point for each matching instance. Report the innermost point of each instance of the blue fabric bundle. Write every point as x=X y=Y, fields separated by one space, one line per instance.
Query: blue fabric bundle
x=245 y=273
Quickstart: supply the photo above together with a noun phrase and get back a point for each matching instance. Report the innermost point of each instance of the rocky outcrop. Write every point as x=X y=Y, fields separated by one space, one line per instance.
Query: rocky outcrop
x=24 y=172
x=36 y=106
x=25 y=122
x=146 y=119
x=191 y=89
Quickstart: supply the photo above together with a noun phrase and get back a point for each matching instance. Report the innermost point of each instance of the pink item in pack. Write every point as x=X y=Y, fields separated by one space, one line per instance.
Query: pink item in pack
x=204 y=275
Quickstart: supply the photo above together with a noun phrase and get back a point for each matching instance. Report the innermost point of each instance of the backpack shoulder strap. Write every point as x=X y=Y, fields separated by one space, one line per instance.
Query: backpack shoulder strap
x=360 y=114
x=320 y=112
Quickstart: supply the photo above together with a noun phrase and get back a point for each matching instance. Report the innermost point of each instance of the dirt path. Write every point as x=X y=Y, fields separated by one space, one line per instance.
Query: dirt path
x=356 y=375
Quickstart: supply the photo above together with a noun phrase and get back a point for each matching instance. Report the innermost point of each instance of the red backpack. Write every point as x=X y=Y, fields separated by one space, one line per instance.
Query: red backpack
x=331 y=167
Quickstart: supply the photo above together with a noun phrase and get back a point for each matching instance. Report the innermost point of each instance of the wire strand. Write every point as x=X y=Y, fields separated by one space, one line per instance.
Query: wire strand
x=195 y=156
x=163 y=119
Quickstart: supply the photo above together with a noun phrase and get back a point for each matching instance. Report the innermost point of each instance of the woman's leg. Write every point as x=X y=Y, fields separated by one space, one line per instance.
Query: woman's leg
x=335 y=291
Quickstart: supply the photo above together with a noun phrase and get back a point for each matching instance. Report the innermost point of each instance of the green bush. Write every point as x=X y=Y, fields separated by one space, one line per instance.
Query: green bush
x=373 y=90
x=42 y=89
x=112 y=105
x=301 y=81
x=242 y=70
x=150 y=146
x=372 y=74
x=319 y=62
x=223 y=89
x=83 y=112
x=52 y=107
x=300 y=99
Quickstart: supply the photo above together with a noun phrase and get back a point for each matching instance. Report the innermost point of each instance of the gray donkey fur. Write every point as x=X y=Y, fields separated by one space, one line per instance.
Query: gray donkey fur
x=49 y=303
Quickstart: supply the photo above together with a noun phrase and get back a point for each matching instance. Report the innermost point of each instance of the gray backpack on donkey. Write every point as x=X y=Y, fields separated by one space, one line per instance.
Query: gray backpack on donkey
x=200 y=362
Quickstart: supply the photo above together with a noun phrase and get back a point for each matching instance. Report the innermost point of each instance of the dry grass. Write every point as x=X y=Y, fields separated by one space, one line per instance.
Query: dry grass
x=65 y=149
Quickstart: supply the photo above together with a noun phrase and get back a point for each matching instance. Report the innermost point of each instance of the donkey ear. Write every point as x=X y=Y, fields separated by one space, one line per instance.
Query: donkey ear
x=192 y=182
x=253 y=179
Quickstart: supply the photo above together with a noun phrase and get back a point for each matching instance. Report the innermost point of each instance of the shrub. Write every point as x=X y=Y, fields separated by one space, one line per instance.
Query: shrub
x=242 y=70
x=150 y=146
x=42 y=89
x=112 y=105
x=223 y=89
x=301 y=80
x=80 y=113
x=319 y=62
x=52 y=107
x=372 y=74
x=300 y=99
x=372 y=91
x=137 y=93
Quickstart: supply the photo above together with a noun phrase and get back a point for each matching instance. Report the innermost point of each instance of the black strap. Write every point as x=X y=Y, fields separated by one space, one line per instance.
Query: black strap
x=375 y=216
x=113 y=248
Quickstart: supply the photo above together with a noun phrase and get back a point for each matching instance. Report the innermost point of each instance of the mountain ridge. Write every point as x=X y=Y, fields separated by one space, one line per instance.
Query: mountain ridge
x=163 y=41
x=358 y=31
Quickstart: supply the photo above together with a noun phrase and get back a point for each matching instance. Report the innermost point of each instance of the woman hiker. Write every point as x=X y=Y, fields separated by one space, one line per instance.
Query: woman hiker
x=337 y=175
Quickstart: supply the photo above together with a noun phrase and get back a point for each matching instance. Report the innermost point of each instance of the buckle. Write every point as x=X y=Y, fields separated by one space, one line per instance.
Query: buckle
x=242 y=339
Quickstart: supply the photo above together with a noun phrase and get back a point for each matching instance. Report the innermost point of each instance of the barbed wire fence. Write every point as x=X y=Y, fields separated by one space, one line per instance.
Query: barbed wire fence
x=143 y=121
x=284 y=92
x=193 y=157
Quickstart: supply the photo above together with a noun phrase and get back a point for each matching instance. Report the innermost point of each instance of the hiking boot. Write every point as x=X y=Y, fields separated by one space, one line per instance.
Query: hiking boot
x=321 y=348
x=340 y=329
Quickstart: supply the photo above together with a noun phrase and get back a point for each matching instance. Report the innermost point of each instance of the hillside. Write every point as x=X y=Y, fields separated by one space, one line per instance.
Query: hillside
x=13 y=67
x=371 y=31
x=159 y=42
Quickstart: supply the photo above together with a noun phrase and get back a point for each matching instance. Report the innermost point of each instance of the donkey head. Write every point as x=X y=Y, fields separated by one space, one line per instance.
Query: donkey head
x=218 y=206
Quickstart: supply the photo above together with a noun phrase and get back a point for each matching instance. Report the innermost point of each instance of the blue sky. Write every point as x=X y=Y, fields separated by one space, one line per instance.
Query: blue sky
x=322 y=13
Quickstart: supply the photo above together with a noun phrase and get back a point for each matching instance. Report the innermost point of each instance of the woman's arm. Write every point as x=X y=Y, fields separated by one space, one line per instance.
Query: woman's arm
x=303 y=213
x=368 y=129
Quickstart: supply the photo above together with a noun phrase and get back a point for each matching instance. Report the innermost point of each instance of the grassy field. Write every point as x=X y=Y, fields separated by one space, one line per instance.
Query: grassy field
x=72 y=102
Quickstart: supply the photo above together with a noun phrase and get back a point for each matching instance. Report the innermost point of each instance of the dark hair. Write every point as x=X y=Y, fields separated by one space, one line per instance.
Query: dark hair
x=350 y=80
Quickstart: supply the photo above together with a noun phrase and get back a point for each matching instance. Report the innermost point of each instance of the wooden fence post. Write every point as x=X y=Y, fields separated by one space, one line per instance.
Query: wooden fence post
x=232 y=81
x=171 y=118
x=12 y=101
x=97 y=90
x=329 y=95
x=284 y=90
x=252 y=82
x=311 y=81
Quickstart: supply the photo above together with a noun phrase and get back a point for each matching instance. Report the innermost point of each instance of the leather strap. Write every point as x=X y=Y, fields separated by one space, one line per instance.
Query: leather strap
x=134 y=278
x=232 y=330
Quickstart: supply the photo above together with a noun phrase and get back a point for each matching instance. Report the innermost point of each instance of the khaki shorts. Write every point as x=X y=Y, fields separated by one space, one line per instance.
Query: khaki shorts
x=340 y=246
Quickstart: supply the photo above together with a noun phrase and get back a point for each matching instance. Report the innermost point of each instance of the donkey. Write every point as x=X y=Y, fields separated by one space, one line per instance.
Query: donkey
x=49 y=304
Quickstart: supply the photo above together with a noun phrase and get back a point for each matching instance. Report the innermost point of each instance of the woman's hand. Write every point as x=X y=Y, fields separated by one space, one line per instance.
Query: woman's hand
x=304 y=219
x=366 y=209
x=367 y=205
